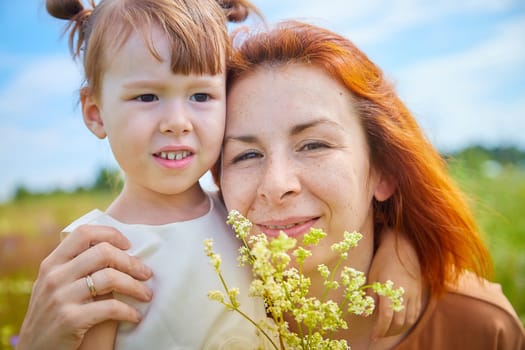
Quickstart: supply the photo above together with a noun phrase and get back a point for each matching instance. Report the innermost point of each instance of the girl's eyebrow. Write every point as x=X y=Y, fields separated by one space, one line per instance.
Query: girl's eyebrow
x=141 y=84
x=195 y=82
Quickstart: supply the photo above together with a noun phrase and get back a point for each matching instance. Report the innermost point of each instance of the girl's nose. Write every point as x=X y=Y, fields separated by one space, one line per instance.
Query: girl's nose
x=176 y=120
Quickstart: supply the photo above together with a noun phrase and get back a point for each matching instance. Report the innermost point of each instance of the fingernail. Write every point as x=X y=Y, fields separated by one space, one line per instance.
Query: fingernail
x=146 y=271
x=149 y=293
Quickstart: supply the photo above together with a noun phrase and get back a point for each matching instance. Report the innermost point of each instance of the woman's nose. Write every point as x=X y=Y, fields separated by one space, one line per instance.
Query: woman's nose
x=176 y=120
x=280 y=181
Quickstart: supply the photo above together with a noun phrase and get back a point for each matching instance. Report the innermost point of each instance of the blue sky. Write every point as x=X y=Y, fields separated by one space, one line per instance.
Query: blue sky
x=459 y=66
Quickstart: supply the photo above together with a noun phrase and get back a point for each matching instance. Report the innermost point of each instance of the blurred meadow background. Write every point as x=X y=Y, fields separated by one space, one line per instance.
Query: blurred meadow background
x=460 y=67
x=30 y=222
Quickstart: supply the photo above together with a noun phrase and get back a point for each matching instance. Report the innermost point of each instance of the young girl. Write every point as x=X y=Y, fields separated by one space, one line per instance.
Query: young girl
x=155 y=87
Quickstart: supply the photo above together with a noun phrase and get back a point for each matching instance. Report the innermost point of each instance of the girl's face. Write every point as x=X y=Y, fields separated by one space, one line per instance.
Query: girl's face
x=164 y=129
x=295 y=157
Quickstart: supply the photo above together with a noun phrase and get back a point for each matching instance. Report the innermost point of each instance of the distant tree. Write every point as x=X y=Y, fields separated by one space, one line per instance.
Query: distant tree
x=21 y=193
x=508 y=155
x=107 y=180
x=474 y=156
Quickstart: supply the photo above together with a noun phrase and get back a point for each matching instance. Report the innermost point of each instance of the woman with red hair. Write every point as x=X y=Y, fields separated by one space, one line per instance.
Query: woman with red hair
x=316 y=137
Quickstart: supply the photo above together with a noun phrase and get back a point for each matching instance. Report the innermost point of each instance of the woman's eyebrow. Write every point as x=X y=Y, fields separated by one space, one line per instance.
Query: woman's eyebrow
x=297 y=129
x=242 y=138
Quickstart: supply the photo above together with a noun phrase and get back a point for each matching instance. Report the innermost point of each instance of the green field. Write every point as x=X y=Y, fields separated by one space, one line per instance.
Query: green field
x=497 y=197
x=29 y=229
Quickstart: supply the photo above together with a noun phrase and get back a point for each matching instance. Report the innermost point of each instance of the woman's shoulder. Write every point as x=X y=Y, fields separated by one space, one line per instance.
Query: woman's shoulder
x=482 y=315
x=472 y=314
x=482 y=291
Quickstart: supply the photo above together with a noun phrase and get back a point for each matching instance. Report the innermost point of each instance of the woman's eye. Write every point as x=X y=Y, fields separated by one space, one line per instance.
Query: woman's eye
x=200 y=97
x=147 y=98
x=313 y=146
x=246 y=156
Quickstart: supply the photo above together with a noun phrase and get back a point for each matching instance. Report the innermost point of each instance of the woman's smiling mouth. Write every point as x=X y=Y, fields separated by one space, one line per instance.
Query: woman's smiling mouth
x=293 y=228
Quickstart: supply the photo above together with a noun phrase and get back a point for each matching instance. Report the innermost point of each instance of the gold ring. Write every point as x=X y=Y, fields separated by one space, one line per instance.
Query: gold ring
x=91 y=286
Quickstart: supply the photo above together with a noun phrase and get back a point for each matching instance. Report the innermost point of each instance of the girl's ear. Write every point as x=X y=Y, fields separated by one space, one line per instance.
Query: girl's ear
x=385 y=187
x=91 y=113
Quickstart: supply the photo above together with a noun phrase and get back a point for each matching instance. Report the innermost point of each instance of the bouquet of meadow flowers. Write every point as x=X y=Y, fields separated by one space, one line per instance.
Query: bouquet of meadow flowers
x=285 y=289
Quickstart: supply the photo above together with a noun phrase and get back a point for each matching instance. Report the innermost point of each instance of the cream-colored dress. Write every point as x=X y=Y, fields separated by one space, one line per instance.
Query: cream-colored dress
x=181 y=316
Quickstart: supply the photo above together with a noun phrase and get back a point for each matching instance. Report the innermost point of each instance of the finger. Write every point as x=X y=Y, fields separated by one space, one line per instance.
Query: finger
x=105 y=255
x=108 y=280
x=413 y=312
x=95 y=312
x=398 y=324
x=86 y=236
x=385 y=315
x=101 y=256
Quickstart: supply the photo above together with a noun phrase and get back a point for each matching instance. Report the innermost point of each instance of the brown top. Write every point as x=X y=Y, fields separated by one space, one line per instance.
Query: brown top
x=473 y=315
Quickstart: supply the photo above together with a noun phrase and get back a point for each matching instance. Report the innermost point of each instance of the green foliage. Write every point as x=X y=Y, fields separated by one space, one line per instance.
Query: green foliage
x=286 y=291
x=475 y=156
x=496 y=192
x=21 y=193
x=107 y=180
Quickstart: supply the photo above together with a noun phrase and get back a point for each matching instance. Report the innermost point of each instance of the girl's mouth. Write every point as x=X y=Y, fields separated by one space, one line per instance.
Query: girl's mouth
x=174 y=155
x=179 y=159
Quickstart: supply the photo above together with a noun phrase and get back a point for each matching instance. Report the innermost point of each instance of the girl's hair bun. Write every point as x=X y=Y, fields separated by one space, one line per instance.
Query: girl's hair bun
x=238 y=10
x=64 y=9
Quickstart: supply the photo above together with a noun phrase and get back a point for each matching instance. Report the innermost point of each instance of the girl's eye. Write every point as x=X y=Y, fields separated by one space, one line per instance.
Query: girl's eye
x=246 y=156
x=147 y=98
x=312 y=146
x=200 y=97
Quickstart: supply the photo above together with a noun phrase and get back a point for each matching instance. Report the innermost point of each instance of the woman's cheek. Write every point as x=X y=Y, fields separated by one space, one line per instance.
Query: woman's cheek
x=236 y=187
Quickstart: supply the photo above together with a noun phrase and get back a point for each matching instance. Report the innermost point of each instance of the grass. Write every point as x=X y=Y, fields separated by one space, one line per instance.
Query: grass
x=29 y=231
x=497 y=199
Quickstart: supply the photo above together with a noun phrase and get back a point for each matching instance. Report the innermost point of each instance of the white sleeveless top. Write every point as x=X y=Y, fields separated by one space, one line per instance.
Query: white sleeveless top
x=181 y=316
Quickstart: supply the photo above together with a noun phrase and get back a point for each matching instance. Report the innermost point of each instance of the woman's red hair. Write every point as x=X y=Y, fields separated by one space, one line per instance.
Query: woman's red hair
x=427 y=205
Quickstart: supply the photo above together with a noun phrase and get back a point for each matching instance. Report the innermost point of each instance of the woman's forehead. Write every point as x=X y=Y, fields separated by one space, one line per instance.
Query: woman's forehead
x=291 y=95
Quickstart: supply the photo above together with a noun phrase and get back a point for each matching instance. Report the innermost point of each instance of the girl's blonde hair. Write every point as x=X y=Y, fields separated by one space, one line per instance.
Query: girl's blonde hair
x=197 y=31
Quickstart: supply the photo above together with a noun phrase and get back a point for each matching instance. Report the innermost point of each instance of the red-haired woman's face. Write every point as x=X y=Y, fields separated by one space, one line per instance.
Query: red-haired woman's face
x=295 y=157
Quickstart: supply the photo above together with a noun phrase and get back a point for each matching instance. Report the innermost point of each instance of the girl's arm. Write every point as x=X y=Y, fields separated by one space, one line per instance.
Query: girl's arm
x=396 y=260
x=100 y=337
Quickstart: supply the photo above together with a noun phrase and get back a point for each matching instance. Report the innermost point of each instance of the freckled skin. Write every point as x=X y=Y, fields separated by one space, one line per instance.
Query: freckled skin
x=275 y=168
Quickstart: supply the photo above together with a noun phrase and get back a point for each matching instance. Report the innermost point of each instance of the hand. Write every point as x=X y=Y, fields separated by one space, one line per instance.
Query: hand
x=62 y=309
x=396 y=260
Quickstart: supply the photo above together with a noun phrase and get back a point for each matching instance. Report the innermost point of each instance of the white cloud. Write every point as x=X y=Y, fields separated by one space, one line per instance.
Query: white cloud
x=375 y=21
x=44 y=143
x=53 y=156
x=460 y=98
x=39 y=83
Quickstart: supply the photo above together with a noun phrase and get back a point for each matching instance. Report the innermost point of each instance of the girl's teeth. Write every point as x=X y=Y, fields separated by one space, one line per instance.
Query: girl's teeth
x=174 y=155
